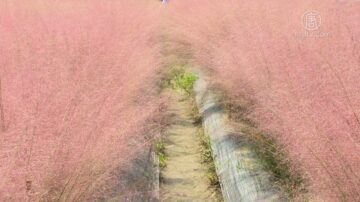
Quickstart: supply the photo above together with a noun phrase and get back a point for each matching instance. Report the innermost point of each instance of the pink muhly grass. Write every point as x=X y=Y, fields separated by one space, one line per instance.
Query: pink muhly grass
x=70 y=110
x=306 y=90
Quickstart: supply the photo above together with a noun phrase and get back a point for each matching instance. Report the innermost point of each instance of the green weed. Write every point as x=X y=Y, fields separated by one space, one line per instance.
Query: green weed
x=185 y=81
x=160 y=151
x=207 y=158
x=179 y=78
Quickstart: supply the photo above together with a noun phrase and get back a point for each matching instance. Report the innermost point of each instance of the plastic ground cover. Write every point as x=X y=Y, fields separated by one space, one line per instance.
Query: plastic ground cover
x=240 y=173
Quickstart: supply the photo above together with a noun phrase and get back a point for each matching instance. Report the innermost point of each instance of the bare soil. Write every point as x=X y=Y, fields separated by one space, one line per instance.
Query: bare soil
x=184 y=177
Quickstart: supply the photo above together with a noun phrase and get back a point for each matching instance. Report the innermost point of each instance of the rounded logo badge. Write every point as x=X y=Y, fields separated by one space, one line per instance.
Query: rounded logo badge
x=311 y=20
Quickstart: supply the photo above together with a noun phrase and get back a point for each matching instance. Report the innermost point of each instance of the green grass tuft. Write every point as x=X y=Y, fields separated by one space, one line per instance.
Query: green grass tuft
x=160 y=151
x=207 y=158
x=179 y=78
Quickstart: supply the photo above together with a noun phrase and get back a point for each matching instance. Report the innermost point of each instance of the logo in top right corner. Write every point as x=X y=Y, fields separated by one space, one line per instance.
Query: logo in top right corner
x=311 y=20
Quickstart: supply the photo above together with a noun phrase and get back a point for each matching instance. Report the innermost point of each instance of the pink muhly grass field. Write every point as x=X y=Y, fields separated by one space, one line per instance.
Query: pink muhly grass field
x=306 y=90
x=71 y=73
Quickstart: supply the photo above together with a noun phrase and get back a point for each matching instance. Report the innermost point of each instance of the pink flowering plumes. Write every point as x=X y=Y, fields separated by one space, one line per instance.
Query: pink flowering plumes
x=304 y=83
x=71 y=73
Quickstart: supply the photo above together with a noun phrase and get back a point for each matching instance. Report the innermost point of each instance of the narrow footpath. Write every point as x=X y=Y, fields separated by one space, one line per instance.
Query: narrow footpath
x=184 y=177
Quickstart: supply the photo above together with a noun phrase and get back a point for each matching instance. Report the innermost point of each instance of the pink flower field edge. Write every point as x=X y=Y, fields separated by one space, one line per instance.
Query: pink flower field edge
x=304 y=84
x=71 y=73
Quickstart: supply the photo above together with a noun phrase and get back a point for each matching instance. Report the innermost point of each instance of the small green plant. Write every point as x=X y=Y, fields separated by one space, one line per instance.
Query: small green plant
x=179 y=78
x=212 y=177
x=185 y=81
x=162 y=160
x=169 y=75
x=160 y=151
x=207 y=158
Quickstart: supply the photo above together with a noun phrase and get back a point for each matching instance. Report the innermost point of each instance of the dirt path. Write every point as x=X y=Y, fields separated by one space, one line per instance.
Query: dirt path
x=184 y=177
